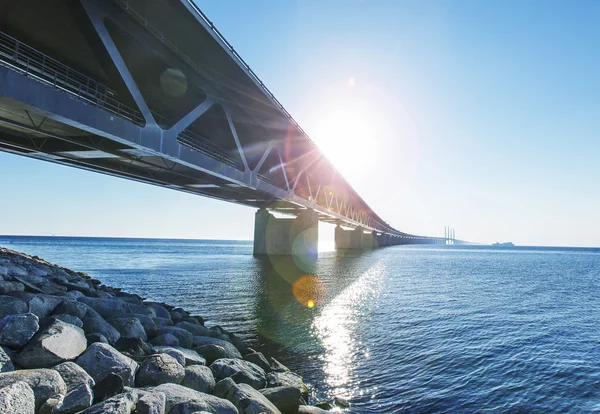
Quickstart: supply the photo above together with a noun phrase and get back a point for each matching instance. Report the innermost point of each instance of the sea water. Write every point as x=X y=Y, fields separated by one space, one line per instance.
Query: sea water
x=398 y=329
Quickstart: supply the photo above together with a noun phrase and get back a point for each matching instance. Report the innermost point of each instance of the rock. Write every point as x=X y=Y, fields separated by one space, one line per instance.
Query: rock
x=185 y=338
x=248 y=400
x=178 y=314
x=75 y=401
x=197 y=330
x=182 y=400
x=107 y=387
x=6 y=364
x=165 y=340
x=286 y=399
x=232 y=351
x=159 y=369
x=8 y=286
x=11 y=306
x=119 y=404
x=324 y=405
x=71 y=307
x=129 y=327
x=93 y=325
x=259 y=359
x=43 y=305
x=171 y=351
x=107 y=308
x=14 y=269
x=17 y=398
x=288 y=379
x=199 y=378
x=245 y=372
x=17 y=330
x=307 y=409
x=222 y=387
x=276 y=365
x=133 y=347
x=73 y=320
x=51 y=404
x=73 y=375
x=152 y=403
x=44 y=382
x=99 y=360
x=162 y=322
x=159 y=310
x=142 y=310
x=96 y=337
x=75 y=294
x=237 y=342
x=148 y=323
x=212 y=352
x=56 y=343
x=191 y=356
x=341 y=402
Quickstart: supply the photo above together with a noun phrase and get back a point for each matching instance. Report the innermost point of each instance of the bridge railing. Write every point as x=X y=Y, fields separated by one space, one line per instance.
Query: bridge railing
x=34 y=64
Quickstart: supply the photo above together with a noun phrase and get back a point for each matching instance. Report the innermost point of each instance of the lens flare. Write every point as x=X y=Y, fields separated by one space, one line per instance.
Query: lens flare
x=308 y=290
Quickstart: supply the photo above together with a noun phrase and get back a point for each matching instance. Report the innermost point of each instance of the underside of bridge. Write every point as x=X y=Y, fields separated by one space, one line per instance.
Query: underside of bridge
x=151 y=91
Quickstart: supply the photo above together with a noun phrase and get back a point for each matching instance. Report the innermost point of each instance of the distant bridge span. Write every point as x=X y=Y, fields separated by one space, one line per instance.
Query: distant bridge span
x=151 y=91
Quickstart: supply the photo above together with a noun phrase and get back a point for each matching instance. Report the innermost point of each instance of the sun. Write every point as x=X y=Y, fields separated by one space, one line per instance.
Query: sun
x=347 y=135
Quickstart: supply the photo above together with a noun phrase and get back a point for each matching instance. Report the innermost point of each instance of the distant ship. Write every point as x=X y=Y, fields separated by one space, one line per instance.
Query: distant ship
x=507 y=244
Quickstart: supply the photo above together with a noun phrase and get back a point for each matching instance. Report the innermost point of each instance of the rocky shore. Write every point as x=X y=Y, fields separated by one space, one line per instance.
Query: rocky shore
x=69 y=344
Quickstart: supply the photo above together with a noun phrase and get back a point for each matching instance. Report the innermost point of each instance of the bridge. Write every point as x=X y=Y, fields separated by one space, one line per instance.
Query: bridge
x=152 y=92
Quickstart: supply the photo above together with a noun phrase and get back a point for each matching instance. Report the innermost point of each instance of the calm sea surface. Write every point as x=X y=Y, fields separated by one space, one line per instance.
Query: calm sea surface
x=400 y=329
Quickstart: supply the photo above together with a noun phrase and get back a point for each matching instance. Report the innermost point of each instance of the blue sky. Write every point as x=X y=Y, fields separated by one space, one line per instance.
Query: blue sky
x=482 y=115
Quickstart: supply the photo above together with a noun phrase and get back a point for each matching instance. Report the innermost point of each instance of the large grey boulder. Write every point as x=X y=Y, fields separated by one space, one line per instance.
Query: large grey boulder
x=10 y=286
x=198 y=330
x=148 y=324
x=165 y=340
x=199 y=378
x=245 y=398
x=288 y=379
x=76 y=400
x=17 y=398
x=171 y=351
x=241 y=371
x=286 y=399
x=129 y=327
x=308 y=409
x=43 y=305
x=183 y=400
x=44 y=382
x=119 y=404
x=159 y=369
x=17 y=330
x=212 y=352
x=72 y=307
x=6 y=364
x=107 y=308
x=73 y=320
x=185 y=338
x=100 y=360
x=191 y=357
x=97 y=325
x=73 y=375
x=232 y=351
x=151 y=403
x=11 y=306
x=159 y=311
x=259 y=359
x=56 y=343
x=162 y=322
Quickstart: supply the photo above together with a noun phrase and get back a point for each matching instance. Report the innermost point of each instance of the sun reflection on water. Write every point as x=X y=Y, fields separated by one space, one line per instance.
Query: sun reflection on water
x=336 y=324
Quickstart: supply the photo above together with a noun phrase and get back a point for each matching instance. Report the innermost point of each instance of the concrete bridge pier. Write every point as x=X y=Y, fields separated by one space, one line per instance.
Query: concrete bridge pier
x=286 y=236
x=349 y=239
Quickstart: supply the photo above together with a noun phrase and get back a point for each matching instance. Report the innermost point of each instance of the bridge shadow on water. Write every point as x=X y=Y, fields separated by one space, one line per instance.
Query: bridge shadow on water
x=291 y=296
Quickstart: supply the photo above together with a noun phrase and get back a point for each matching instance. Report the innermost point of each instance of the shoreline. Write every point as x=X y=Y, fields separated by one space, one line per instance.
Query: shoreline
x=71 y=344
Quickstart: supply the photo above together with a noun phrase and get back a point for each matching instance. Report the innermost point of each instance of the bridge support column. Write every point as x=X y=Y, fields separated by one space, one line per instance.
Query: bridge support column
x=369 y=240
x=349 y=239
x=286 y=236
